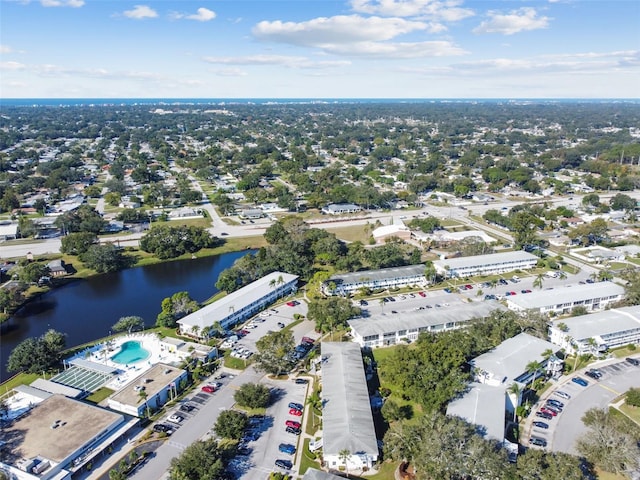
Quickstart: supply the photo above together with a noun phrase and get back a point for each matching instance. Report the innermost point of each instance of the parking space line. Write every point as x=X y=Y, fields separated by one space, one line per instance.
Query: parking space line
x=609 y=388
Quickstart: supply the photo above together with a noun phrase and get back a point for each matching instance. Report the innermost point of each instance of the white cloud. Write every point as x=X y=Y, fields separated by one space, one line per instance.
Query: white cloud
x=520 y=20
x=5 y=49
x=447 y=10
x=399 y=50
x=280 y=60
x=335 y=30
x=231 y=72
x=140 y=12
x=12 y=66
x=62 y=3
x=201 y=15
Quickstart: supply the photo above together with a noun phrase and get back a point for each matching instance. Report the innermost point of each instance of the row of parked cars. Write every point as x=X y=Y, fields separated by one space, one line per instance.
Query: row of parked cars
x=552 y=408
x=295 y=428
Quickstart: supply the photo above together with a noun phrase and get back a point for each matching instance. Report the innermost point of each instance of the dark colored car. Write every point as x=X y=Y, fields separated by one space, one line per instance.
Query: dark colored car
x=163 y=428
x=286 y=464
x=186 y=407
x=540 y=442
x=363 y=303
x=556 y=403
x=546 y=416
x=592 y=374
x=580 y=381
x=297 y=406
x=287 y=448
x=541 y=425
x=632 y=361
x=302 y=381
x=295 y=431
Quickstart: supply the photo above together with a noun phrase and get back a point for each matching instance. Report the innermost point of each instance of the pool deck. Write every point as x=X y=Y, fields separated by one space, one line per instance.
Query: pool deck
x=103 y=352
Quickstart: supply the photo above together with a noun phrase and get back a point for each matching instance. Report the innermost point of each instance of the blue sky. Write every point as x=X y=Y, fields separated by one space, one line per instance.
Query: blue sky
x=320 y=49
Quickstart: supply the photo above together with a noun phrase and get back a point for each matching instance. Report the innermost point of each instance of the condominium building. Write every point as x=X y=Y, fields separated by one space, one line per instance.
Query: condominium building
x=491 y=264
x=395 y=277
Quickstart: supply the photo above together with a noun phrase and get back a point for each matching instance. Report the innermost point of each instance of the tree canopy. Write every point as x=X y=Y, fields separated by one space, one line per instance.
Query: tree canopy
x=35 y=355
x=168 y=241
x=202 y=460
x=231 y=424
x=274 y=352
x=78 y=243
x=331 y=313
x=128 y=324
x=106 y=258
x=253 y=395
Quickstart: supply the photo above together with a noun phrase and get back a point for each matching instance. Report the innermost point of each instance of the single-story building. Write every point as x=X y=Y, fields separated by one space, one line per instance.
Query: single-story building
x=57 y=268
x=341 y=208
x=562 y=300
x=346 y=410
x=597 y=332
x=493 y=263
x=387 y=232
x=390 y=329
x=149 y=391
x=8 y=231
x=251 y=214
x=394 y=277
x=239 y=305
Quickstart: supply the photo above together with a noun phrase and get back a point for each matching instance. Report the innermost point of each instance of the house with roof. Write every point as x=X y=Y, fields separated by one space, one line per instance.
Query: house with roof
x=597 y=332
x=341 y=208
x=387 y=232
x=346 y=409
x=493 y=263
x=393 y=277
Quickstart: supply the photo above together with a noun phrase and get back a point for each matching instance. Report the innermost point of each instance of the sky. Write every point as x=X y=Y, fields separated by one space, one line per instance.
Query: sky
x=320 y=49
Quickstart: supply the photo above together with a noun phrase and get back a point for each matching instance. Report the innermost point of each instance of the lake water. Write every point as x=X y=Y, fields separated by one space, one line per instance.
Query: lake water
x=86 y=309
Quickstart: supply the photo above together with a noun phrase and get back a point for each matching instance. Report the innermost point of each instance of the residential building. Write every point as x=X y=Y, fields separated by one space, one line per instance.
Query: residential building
x=239 y=305
x=8 y=231
x=395 y=277
x=501 y=377
x=491 y=264
x=341 y=208
x=597 y=332
x=346 y=410
x=390 y=329
x=387 y=232
x=562 y=300
x=57 y=268
x=149 y=391
x=445 y=236
x=58 y=437
x=251 y=214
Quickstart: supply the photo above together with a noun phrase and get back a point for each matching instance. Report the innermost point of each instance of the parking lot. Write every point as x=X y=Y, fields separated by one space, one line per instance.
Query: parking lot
x=564 y=429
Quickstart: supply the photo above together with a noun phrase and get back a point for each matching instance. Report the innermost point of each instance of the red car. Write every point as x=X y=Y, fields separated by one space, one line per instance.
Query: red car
x=293 y=303
x=468 y=287
x=291 y=423
x=295 y=412
x=208 y=388
x=513 y=293
x=550 y=412
x=422 y=294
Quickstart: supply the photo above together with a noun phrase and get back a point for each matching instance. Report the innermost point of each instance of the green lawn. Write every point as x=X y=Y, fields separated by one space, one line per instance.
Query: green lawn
x=385 y=472
x=623 y=352
x=99 y=395
x=632 y=412
x=351 y=234
x=307 y=461
x=20 y=379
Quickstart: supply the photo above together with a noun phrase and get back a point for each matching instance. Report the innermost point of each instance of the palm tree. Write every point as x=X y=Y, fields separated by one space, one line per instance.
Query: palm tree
x=515 y=389
x=537 y=283
x=345 y=455
x=315 y=404
x=534 y=368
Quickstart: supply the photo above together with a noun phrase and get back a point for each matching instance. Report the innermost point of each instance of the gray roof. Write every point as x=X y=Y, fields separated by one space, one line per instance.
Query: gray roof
x=382 y=274
x=464 y=312
x=314 y=474
x=235 y=301
x=509 y=359
x=346 y=411
x=568 y=294
x=489 y=259
x=484 y=406
x=54 y=387
x=602 y=323
x=32 y=391
x=93 y=366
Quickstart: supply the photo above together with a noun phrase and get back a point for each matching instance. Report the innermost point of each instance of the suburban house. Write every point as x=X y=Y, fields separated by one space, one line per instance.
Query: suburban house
x=387 y=232
x=57 y=268
x=346 y=409
x=562 y=300
x=394 y=277
x=597 y=332
x=239 y=305
x=390 y=329
x=491 y=264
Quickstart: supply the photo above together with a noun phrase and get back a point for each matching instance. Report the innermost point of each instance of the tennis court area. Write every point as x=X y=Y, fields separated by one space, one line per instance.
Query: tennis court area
x=85 y=375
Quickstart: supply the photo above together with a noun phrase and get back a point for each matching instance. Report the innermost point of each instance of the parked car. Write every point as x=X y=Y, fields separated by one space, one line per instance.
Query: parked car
x=163 y=428
x=551 y=412
x=292 y=423
x=541 y=425
x=292 y=303
x=553 y=408
x=632 y=361
x=447 y=290
x=301 y=381
x=297 y=406
x=293 y=430
x=307 y=340
x=287 y=448
x=280 y=324
x=295 y=412
x=525 y=291
x=562 y=394
x=557 y=403
x=286 y=464
x=593 y=374
x=187 y=407
x=539 y=442
x=208 y=389
x=580 y=381
x=422 y=294
x=176 y=418
x=363 y=303
x=546 y=416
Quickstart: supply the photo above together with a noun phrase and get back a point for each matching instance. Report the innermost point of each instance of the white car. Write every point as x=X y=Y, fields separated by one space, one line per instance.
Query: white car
x=265 y=314
x=175 y=418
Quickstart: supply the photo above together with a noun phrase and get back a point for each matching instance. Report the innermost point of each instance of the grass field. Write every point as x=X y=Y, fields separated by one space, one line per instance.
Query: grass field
x=353 y=233
x=632 y=412
x=307 y=461
x=99 y=395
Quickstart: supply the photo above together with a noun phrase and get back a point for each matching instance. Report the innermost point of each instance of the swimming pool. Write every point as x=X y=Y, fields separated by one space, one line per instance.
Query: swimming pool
x=130 y=352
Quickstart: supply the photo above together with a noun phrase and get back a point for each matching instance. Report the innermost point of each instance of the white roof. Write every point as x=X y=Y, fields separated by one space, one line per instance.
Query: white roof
x=379 y=324
x=602 y=323
x=456 y=236
x=489 y=259
x=235 y=301
x=509 y=359
x=568 y=294
x=389 y=230
x=482 y=405
x=8 y=229
x=346 y=411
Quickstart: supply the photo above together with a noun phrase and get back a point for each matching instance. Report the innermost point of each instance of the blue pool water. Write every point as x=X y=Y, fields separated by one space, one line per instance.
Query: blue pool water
x=130 y=352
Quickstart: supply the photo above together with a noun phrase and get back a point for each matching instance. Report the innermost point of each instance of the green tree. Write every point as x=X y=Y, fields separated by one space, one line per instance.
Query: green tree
x=35 y=355
x=83 y=219
x=274 y=352
x=253 y=395
x=231 y=424
x=34 y=271
x=167 y=241
x=202 y=460
x=128 y=324
x=175 y=307
x=633 y=397
x=105 y=258
x=78 y=243
x=331 y=313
